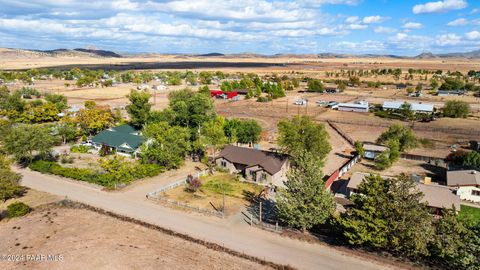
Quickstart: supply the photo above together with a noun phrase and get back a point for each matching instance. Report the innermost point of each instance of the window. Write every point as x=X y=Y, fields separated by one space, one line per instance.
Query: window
x=476 y=192
x=223 y=163
x=264 y=176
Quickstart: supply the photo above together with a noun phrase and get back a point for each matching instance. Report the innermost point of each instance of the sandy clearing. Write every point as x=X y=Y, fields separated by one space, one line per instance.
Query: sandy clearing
x=88 y=240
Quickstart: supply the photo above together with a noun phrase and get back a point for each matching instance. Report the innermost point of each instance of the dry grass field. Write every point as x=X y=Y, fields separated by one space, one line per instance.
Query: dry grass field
x=365 y=127
x=108 y=243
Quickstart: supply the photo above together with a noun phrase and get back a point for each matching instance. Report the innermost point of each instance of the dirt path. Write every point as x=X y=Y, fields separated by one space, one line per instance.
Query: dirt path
x=231 y=234
x=108 y=243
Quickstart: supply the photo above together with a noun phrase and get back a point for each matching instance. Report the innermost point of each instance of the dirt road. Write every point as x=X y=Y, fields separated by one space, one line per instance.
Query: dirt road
x=230 y=233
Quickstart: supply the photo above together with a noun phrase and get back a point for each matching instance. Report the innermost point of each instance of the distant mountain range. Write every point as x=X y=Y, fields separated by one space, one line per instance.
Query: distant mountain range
x=80 y=51
x=104 y=53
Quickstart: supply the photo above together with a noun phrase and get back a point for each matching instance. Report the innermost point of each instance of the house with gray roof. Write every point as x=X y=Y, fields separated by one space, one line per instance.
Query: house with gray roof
x=436 y=196
x=467 y=184
x=258 y=166
x=124 y=139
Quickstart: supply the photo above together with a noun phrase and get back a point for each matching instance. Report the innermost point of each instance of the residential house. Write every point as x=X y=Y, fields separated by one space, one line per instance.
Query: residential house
x=437 y=197
x=258 y=166
x=361 y=106
x=373 y=150
x=467 y=184
x=416 y=107
x=123 y=139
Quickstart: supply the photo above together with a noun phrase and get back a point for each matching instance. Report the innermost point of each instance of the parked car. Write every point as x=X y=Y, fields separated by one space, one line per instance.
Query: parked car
x=322 y=103
x=300 y=102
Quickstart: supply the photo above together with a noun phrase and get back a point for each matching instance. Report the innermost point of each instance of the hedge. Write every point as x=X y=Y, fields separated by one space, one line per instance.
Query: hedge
x=88 y=175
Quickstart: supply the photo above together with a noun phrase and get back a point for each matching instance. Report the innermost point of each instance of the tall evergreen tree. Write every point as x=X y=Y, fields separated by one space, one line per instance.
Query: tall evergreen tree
x=305 y=202
x=139 y=107
x=387 y=214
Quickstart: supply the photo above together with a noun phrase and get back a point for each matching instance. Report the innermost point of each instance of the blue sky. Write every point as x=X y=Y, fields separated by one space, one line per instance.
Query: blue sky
x=403 y=27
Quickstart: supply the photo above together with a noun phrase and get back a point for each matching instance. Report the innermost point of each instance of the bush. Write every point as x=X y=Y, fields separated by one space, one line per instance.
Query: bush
x=17 y=209
x=79 y=149
x=108 y=180
x=193 y=184
x=263 y=99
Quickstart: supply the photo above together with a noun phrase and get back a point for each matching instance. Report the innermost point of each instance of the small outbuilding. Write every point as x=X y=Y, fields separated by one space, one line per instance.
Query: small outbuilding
x=373 y=150
x=361 y=106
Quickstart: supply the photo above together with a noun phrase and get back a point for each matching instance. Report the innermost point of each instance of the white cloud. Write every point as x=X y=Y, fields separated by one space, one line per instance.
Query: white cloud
x=355 y=26
x=458 y=22
x=448 y=39
x=412 y=25
x=364 y=46
x=373 y=19
x=352 y=19
x=439 y=6
x=474 y=35
x=382 y=29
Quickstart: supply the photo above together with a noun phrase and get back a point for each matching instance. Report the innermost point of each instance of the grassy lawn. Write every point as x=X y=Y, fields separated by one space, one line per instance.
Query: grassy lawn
x=210 y=194
x=469 y=214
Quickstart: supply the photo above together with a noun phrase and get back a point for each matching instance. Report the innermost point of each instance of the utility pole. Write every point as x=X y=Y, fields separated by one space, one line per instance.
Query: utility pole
x=287 y=105
x=306 y=107
x=260 y=213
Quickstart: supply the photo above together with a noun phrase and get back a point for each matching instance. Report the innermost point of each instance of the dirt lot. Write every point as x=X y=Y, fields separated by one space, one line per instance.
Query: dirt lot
x=107 y=243
x=402 y=166
x=33 y=198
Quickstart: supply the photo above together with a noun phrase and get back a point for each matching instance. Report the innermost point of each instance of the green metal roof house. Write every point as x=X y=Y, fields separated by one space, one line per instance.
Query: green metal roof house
x=124 y=139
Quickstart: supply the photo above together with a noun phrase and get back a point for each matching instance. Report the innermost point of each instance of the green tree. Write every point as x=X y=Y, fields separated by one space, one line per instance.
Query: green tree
x=93 y=120
x=67 y=131
x=60 y=101
x=139 y=107
x=213 y=135
x=305 y=202
x=434 y=83
x=315 y=85
x=9 y=181
x=406 y=111
x=456 y=109
x=168 y=145
x=302 y=134
x=190 y=109
x=23 y=141
x=359 y=149
x=404 y=135
x=455 y=245
x=248 y=131
x=387 y=214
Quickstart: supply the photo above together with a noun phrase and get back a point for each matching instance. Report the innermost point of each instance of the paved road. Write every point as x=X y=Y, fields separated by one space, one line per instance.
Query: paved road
x=230 y=233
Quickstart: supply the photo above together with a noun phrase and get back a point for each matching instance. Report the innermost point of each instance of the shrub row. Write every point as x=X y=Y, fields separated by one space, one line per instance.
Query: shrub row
x=107 y=180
